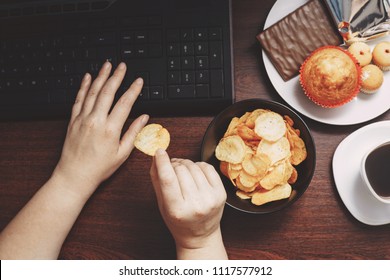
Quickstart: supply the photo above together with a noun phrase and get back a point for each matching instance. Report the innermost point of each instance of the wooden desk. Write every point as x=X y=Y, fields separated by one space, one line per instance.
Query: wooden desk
x=122 y=221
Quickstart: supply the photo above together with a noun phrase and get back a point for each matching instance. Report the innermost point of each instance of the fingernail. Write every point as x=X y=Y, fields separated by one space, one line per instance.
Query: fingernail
x=160 y=152
x=86 y=77
x=121 y=66
x=139 y=81
x=106 y=64
x=145 y=119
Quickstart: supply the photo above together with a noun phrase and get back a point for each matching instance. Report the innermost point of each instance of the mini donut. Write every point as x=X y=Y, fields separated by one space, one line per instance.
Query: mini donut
x=381 y=56
x=362 y=52
x=372 y=79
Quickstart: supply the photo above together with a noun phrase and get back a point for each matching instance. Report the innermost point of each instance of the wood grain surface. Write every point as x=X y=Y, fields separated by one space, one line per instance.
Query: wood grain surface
x=122 y=221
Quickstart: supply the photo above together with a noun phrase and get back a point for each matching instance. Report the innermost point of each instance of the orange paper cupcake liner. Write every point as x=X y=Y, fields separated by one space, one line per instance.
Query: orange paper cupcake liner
x=324 y=103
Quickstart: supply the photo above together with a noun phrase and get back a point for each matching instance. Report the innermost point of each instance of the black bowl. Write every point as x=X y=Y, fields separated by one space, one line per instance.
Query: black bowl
x=215 y=132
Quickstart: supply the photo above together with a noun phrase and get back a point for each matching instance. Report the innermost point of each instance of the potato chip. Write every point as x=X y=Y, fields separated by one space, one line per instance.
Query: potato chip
x=270 y=126
x=247 y=180
x=232 y=128
x=243 y=187
x=276 y=151
x=277 y=193
x=231 y=149
x=244 y=117
x=151 y=138
x=251 y=120
x=277 y=176
x=223 y=166
x=298 y=147
x=246 y=133
x=256 y=165
x=294 y=177
x=288 y=120
x=244 y=195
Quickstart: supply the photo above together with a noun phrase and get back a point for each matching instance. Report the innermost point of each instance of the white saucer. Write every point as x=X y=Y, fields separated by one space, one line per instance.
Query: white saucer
x=346 y=171
x=361 y=109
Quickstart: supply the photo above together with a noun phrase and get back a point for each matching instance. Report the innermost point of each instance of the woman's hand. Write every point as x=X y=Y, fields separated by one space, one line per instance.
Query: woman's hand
x=94 y=147
x=191 y=199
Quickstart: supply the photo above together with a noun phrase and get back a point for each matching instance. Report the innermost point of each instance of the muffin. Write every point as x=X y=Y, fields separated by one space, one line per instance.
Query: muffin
x=330 y=77
x=362 y=52
x=372 y=79
x=381 y=56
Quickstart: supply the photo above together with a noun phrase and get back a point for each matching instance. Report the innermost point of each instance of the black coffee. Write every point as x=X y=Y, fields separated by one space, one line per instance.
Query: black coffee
x=378 y=170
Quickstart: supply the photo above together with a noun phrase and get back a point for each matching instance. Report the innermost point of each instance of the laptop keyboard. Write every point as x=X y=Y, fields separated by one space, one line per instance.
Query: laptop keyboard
x=38 y=70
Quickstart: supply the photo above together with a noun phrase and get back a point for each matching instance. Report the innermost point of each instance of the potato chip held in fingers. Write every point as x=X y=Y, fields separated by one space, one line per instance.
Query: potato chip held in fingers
x=151 y=138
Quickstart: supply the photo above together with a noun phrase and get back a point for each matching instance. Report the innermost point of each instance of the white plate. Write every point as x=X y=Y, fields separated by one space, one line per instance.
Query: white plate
x=346 y=171
x=361 y=109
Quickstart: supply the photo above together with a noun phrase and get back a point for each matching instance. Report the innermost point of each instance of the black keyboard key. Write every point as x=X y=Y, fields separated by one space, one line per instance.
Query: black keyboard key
x=156 y=93
x=181 y=91
x=106 y=53
x=127 y=52
x=73 y=82
x=201 y=48
x=201 y=34
x=141 y=36
x=127 y=38
x=173 y=49
x=215 y=55
x=144 y=76
x=202 y=62
x=215 y=34
x=187 y=63
x=89 y=54
x=187 y=49
x=187 y=35
x=2 y=86
x=202 y=91
x=202 y=77
x=144 y=94
x=155 y=20
x=141 y=51
x=174 y=63
x=173 y=35
x=174 y=77
x=101 y=39
x=154 y=36
x=188 y=77
x=216 y=83
x=155 y=50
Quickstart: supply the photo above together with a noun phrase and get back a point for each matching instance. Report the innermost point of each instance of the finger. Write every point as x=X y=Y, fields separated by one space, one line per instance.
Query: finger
x=155 y=182
x=79 y=101
x=96 y=87
x=197 y=174
x=167 y=181
x=126 y=144
x=211 y=174
x=122 y=108
x=187 y=183
x=106 y=96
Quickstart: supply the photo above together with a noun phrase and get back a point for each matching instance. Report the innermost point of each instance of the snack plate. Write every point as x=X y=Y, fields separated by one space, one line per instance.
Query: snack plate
x=346 y=171
x=360 y=109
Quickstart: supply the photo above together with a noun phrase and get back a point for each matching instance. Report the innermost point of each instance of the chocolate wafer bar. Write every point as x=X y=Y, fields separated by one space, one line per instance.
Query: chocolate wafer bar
x=289 y=41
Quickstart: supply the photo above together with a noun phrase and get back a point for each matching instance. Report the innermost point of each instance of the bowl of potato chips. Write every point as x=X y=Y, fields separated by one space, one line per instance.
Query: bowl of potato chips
x=264 y=153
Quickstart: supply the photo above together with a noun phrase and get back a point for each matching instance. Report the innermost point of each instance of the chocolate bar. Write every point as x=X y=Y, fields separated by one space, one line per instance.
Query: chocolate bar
x=291 y=40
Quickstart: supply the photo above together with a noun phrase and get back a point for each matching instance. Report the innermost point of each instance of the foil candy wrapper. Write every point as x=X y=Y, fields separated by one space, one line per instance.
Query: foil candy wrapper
x=360 y=20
